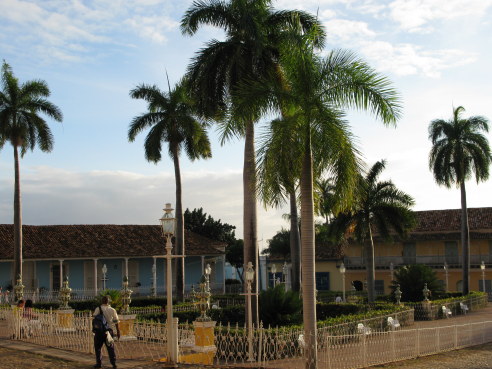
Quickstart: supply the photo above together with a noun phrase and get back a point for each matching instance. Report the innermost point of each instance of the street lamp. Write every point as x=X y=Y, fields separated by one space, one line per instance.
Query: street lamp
x=208 y=271
x=482 y=266
x=250 y=276
x=104 y=271
x=168 y=225
x=274 y=271
x=446 y=272
x=342 y=271
x=392 y=270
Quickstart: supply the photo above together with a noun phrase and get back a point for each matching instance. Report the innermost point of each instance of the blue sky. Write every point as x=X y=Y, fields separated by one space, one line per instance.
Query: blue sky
x=91 y=53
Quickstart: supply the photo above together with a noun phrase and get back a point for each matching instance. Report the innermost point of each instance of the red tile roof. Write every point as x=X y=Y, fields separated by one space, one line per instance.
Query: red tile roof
x=479 y=219
x=98 y=240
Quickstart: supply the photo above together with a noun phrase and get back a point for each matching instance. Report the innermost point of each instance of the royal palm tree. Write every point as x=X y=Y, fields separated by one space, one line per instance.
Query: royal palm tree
x=171 y=118
x=318 y=87
x=459 y=151
x=22 y=125
x=379 y=206
x=250 y=51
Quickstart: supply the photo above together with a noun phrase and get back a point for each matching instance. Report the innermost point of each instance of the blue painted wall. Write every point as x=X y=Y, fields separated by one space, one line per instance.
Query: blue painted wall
x=76 y=273
x=5 y=270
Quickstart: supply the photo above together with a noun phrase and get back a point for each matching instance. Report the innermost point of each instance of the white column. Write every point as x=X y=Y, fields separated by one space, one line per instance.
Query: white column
x=203 y=265
x=61 y=272
x=154 y=275
x=126 y=267
x=95 y=277
x=223 y=274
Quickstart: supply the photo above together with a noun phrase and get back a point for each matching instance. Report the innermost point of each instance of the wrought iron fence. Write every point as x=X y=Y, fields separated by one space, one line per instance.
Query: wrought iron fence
x=341 y=346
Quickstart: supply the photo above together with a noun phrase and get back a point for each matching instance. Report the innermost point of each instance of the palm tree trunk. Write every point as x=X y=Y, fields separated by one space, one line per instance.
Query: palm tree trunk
x=295 y=244
x=465 y=240
x=249 y=213
x=370 y=266
x=308 y=258
x=180 y=248
x=17 y=219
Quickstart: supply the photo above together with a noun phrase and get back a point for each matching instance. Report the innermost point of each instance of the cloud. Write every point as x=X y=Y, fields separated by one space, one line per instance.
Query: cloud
x=153 y=28
x=343 y=29
x=416 y=15
x=56 y=196
x=72 y=30
x=408 y=59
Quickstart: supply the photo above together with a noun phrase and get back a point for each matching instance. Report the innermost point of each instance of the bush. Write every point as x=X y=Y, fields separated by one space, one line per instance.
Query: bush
x=279 y=307
x=412 y=278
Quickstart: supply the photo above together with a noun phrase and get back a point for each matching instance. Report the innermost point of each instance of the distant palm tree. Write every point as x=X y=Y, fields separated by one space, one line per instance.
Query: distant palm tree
x=23 y=127
x=460 y=151
x=326 y=198
x=171 y=118
x=250 y=50
x=378 y=206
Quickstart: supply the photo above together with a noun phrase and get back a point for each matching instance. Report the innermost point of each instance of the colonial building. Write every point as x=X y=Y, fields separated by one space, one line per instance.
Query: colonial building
x=82 y=252
x=435 y=241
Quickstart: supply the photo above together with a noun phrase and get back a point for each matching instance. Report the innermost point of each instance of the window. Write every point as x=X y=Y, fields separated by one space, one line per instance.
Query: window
x=379 y=286
x=451 y=252
x=322 y=281
x=409 y=253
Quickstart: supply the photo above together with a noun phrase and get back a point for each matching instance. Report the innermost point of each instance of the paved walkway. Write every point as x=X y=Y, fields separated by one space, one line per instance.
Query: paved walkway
x=87 y=359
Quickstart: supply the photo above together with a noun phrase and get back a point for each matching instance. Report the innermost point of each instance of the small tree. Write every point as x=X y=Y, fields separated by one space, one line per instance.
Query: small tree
x=412 y=278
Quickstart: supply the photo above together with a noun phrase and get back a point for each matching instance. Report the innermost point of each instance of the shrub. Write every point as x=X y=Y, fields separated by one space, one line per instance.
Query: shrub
x=412 y=278
x=280 y=307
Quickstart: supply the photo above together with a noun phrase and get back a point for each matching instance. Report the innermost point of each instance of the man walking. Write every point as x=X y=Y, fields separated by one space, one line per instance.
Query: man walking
x=100 y=339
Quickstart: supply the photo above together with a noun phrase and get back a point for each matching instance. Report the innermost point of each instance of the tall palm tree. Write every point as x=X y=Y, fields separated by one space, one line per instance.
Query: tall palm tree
x=379 y=206
x=250 y=51
x=278 y=168
x=22 y=125
x=171 y=118
x=318 y=87
x=459 y=151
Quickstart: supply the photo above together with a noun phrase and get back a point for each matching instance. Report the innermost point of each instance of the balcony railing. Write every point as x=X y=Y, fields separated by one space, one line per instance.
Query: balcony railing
x=432 y=260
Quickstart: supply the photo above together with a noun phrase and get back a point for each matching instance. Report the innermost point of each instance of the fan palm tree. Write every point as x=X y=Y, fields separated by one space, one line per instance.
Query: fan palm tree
x=250 y=51
x=22 y=125
x=381 y=206
x=318 y=87
x=171 y=118
x=459 y=151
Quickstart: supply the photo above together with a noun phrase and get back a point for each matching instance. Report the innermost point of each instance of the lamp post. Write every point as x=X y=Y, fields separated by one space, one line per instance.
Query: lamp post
x=208 y=272
x=446 y=272
x=392 y=271
x=482 y=266
x=342 y=271
x=104 y=271
x=250 y=276
x=168 y=224
x=274 y=271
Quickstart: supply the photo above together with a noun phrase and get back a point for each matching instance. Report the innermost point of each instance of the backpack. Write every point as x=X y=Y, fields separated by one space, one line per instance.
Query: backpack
x=99 y=324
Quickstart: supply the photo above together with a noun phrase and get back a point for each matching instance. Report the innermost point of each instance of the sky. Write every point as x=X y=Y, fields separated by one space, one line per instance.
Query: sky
x=92 y=53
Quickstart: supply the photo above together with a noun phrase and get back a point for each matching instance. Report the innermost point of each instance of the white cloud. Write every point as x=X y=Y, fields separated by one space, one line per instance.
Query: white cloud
x=416 y=15
x=343 y=29
x=56 y=196
x=153 y=28
x=408 y=59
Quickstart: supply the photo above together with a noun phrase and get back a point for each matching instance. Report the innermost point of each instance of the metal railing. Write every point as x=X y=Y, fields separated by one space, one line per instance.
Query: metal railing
x=338 y=347
x=385 y=261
